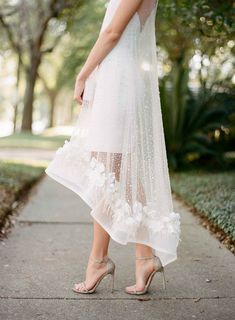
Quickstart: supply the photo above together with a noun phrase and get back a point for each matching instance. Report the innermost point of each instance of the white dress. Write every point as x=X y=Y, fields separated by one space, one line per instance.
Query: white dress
x=116 y=158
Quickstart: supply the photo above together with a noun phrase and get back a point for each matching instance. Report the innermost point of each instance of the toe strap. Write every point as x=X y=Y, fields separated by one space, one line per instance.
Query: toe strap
x=135 y=291
x=83 y=285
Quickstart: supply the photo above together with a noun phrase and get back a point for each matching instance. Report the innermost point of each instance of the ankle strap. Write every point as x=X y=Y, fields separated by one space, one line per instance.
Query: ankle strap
x=144 y=258
x=104 y=260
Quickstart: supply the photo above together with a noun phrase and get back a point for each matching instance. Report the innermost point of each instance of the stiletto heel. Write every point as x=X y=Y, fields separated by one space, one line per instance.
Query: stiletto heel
x=163 y=279
x=158 y=267
x=112 y=281
x=110 y=271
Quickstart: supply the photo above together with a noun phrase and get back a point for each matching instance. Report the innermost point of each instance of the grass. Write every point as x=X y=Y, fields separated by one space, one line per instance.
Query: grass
x=29 y=140
x=18 y=176
x=211 y=194
x=15 y=179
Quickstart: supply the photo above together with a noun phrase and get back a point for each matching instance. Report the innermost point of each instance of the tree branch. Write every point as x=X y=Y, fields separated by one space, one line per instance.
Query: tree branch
x=51 y=48
x=55 y=8
x=14 y=44
x=9 y=33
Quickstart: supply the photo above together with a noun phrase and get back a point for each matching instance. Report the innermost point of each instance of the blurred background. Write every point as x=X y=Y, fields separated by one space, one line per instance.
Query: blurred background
x=45 y=43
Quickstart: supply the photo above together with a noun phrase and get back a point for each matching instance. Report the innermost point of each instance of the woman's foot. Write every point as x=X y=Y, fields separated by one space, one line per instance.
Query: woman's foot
x=95 y=269
x=144 y=267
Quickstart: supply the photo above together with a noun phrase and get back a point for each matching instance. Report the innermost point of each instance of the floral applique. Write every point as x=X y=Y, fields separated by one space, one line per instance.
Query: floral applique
x=96 y=172
x=127 y=217
x=130 y=217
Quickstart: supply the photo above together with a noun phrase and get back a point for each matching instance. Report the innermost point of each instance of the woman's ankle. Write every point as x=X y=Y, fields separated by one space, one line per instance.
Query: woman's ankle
x=143 y=251
x=99 y=256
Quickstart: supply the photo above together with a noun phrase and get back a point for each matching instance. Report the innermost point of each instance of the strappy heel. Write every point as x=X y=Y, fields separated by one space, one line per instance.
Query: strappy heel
x=109 y=271
x=157 y=268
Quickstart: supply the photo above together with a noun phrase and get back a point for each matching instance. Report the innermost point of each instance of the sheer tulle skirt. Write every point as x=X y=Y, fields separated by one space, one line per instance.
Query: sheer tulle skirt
x=116 y=157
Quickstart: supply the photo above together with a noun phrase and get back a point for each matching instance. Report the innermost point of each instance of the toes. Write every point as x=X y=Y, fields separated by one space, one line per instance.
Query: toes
x=133 y=289
x=78 y=287
x=130 y=289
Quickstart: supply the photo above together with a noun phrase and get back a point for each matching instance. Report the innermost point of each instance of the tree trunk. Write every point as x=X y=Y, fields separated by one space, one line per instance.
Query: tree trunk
x=52 y=97
x=15 y=117
x=18 y=74
x=31 y=77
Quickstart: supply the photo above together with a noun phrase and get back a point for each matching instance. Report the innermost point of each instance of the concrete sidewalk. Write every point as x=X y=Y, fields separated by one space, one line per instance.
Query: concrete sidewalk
x=47 y=252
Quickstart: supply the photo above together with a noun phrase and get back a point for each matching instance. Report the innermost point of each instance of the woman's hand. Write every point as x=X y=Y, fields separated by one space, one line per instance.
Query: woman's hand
x=79 y=89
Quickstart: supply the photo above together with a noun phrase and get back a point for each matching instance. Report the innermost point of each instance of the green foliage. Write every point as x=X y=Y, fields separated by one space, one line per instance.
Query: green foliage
x=193 y=118
x=15 y=175
x=190 y=125
x=212 y=194
x=15 y=179
x=183 y=28
x=210 y=18
x=37 y=141
x=81 y=36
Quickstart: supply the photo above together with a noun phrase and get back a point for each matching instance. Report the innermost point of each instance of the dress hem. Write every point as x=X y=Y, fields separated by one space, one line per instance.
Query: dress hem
x=84 y=197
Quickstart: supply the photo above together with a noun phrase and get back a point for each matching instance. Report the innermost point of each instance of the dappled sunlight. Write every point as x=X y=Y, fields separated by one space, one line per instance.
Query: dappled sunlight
x=58 y=131
x=26 y=161
x=146 y=161
x=33 y=141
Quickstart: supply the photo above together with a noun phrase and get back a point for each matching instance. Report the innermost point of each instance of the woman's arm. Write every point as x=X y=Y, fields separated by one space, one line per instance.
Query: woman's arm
x=106 y=42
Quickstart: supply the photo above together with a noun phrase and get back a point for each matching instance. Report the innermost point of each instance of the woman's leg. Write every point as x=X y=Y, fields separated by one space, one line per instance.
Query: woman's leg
x=99 y=250
x=142 y=250
x=101 y=238
x=143 y=268
x=100 y=243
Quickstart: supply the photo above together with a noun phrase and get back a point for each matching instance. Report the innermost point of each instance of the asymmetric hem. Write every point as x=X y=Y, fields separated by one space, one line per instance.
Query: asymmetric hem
x=79 y=191
x=116 y=158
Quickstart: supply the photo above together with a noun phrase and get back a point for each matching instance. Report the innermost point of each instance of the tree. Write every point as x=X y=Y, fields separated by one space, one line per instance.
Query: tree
x=186 y=29
x=58 y=71
x=28 y=25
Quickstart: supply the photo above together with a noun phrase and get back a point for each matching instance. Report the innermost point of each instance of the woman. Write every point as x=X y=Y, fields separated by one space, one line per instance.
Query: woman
x=116 y=158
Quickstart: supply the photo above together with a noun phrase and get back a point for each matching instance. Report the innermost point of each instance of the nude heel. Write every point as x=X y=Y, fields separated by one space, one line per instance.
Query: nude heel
x=112 y=280
x=163 y=279
x=158 y=268
x=109 y=271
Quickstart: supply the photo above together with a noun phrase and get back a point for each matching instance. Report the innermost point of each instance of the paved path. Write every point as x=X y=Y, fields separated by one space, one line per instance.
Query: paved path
x=47 y=252
x=26 y=154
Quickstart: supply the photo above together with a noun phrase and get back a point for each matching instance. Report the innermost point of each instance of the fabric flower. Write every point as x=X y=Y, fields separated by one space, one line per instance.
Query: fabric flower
x=111 y=183
x=138 y=211
x=96 y=172
x=149 y=212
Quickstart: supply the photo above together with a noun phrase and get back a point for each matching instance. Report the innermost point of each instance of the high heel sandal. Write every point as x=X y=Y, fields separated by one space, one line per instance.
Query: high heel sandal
x=157 y=268
x=109 y=271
